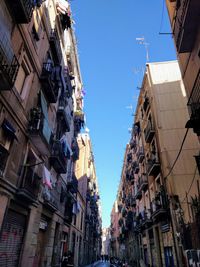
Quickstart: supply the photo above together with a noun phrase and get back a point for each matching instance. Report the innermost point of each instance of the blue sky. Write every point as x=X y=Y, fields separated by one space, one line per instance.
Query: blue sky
x=112 y=64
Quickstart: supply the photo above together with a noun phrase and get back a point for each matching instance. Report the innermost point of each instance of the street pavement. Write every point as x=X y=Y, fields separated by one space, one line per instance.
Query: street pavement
x=99 y=264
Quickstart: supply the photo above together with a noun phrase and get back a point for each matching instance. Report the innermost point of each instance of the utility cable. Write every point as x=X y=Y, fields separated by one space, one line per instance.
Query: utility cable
x=180 y=150
x=195 y=172
x=161 y=23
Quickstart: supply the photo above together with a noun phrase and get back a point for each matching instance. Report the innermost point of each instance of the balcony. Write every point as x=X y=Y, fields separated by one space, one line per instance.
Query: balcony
x=51 y=199
x=194 y=107
x=68 y=215
x=55 y=46
x=138 y=194
x=149 y=132
x=29 y=186
x=70 y=61
x=39 y=131
x=160 y=206
x=143 y=182
x=72 y=186
x=133 y=144
x=159 y=213
x=50 y=79
x=140 y=154
x=153 y=166
x=63 y=116
x=186 y=25
x=138 y=223
x=75 y=150
x=129 y=220
x=146 y=104
x=58 y=158
x=79 y=121
x=129 y=157
x=147 y=221
x=8 y=65
x=21 y=10
x=65 y=21
x=132 y=202
x=135 y=167
x=3 y=158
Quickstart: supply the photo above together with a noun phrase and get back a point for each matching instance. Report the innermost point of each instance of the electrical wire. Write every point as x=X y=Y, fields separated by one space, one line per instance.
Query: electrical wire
x=161 y=23
x=195 y=172
x=180 y=150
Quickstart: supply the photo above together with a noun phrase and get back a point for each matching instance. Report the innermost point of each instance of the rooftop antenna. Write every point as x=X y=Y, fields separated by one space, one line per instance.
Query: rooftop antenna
x=129 y=107
x=142 y=41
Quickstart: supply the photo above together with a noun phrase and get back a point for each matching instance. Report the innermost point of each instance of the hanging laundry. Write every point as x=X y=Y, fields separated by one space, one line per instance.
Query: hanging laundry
x=47 y=178
x=66 y=147
x=76 y=207
x=83 y=92
x=62 y=7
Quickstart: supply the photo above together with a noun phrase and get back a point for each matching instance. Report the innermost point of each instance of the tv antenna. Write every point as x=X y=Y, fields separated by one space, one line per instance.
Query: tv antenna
x=142 y=41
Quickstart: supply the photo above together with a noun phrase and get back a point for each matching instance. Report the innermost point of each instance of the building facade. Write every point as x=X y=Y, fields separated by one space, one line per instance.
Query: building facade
x=159 y=183
x=41 y=113
x=184 y=18
x=88 y=188
x=105 y=242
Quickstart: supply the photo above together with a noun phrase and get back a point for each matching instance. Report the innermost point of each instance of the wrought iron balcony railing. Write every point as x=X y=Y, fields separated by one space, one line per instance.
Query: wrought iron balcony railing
x=75 y=149
x=149 y=132
x=3 y=158
x=153 y=165
x=143 y=182
x=138 y=192
x=66 y=21
x=55 y=46
x=79 y=121
x=59 y=157
x=70 y=60
x=186 y=24
x=21 y=10
x=72 y=186
x=51 y=199
x=39 y=130
x=194 y=107
x=30 y=185
x=135 y=167
x=160 y=206
x=146 y=104
x=8 y=64
x=63 y=115
x=140 y=154
x=51 y=81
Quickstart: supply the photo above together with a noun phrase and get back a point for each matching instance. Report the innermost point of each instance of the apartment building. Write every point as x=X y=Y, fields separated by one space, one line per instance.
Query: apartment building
x=114 y=231
x=127 y=240
x=88 y=188
x=105 y=242
x=160 y=181
x=184 y=18
x=41 y=114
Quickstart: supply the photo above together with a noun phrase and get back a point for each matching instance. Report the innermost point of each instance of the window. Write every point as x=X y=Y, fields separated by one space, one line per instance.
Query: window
x=24 y=78
x=81 y=220
x=7 y=135
x=74 y=219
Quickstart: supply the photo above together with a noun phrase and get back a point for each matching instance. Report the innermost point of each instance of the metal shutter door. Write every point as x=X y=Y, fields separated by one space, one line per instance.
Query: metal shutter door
x=11 y=239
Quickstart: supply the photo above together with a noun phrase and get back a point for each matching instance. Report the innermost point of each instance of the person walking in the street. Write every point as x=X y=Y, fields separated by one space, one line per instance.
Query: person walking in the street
x=64 y=260
x=67 y=260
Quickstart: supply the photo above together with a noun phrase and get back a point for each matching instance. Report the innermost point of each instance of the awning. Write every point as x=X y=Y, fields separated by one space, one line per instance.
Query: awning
x=9 y=129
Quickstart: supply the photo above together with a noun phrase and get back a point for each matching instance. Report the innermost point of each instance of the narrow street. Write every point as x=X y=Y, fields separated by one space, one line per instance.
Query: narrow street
x=100 y=264
x=101 y=162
